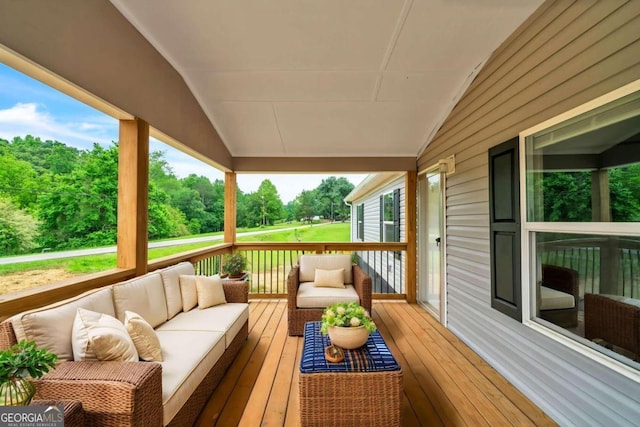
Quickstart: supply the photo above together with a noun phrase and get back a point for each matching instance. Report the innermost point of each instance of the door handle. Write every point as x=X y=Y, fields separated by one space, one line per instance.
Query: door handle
x=437 y=241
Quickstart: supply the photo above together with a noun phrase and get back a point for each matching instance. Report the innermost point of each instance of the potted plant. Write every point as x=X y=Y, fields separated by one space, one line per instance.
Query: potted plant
x=234 y=265
x=17 y=365
x=348 y=324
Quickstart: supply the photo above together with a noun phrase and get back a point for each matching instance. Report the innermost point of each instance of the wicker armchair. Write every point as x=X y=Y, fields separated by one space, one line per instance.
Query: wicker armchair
x=613 y=319
x=565 y=280
x=298 y=316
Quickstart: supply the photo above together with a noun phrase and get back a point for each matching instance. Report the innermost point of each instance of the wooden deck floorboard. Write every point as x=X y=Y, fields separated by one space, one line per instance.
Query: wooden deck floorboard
x=445 y=382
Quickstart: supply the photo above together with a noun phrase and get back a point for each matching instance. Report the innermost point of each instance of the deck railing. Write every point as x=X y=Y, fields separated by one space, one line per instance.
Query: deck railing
x=269 y=265
x=602 y=267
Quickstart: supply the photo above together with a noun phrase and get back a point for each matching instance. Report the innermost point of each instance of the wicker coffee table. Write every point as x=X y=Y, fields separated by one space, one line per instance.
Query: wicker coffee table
x=363 y=390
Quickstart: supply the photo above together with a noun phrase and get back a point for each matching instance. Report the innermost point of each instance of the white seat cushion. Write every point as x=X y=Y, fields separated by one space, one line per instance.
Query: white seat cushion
x=226 y=318
x=310 y=296
x=188 y=357
x=551 y=299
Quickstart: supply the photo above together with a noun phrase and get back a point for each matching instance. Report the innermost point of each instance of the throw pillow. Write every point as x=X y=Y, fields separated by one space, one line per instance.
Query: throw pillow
x=189 y=292
x=210 y=291
x=144 y=337
x=329 y=278
x=98 y=336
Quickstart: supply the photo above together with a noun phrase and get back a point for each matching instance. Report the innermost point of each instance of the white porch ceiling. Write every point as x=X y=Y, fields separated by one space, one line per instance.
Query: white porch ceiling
x=303 y=78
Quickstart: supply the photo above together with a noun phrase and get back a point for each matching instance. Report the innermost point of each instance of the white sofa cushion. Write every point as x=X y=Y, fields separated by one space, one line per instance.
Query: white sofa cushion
x=50 y=326
x=171 y=281
x=143 y=295
x=226 y=318
x=188 y=357
x=310 y=296
x=99 y=336
x=309 y=263
x=551 y=299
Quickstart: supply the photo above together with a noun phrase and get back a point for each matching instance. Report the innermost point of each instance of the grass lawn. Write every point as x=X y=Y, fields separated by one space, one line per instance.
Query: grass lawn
x=338 y=232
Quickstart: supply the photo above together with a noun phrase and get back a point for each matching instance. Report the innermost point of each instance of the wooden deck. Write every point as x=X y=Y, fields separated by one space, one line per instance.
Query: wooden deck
x=445 y=383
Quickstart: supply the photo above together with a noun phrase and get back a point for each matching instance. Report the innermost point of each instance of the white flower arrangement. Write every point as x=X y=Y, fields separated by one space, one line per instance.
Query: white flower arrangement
x=346 y=315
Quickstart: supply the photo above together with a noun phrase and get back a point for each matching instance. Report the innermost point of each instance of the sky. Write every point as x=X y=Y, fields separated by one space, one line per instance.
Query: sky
x=28 y=107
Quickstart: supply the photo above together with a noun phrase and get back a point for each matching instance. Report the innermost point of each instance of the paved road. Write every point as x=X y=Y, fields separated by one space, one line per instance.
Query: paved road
x=112 y=249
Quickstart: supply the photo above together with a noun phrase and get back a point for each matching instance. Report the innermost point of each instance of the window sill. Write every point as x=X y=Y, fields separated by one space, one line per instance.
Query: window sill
x=584 y=349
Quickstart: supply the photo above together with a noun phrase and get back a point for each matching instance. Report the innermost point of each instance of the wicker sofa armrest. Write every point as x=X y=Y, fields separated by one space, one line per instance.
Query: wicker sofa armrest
x=293 y=282
x=112 y=393
x=362 y=285
x=236 y=290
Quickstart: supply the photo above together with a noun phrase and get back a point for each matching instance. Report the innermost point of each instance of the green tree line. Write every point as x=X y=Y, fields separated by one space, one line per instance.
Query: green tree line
x=59 y=197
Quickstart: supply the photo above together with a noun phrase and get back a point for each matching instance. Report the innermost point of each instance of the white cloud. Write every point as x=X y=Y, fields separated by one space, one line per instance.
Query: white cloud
x=29 y=119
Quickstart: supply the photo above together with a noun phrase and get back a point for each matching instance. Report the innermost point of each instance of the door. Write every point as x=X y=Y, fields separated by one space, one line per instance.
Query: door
x=431 y=286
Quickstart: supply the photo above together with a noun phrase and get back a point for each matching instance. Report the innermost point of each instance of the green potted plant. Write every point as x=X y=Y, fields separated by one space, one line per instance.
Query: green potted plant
x=348 y=324
x=234 y=265
x=17 y=365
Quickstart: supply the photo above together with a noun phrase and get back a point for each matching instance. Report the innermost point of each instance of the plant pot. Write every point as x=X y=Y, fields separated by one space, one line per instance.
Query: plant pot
x=16 y=392
x=348 y=337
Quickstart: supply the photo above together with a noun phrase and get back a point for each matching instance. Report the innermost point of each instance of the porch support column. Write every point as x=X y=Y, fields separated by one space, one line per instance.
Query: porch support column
x=411 y=263
x=133 y=195
x=600 y=200
x=230 y=191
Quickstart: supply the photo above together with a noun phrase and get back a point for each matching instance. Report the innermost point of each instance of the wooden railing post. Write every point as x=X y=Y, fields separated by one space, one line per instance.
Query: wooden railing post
x=410 y=215
x=230 y=190
x=133 y=195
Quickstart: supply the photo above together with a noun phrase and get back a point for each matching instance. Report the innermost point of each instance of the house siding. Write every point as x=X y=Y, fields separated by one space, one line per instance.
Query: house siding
x=386 y=265
x=567 y=53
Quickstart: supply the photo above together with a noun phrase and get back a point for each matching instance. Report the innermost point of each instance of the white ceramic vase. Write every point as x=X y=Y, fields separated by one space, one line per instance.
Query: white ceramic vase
x=348 y=337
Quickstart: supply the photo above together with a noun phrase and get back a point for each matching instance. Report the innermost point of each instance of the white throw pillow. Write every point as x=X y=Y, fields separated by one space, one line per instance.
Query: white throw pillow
x=329 y=278
x=210 y=291
x=189 y=292
x=143 y=336
x=98 y=336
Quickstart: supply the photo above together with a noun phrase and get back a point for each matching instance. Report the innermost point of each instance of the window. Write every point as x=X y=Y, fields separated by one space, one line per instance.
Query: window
x=360 y=220
x=390 y=217
x=581 y=231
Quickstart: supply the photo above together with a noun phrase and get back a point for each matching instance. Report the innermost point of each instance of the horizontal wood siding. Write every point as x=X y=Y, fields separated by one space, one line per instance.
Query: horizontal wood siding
x=372 y=231
x=567 y=53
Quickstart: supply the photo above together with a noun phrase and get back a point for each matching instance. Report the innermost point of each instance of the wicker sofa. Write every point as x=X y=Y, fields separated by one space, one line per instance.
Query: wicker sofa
x=197 y=347
x=305 y=302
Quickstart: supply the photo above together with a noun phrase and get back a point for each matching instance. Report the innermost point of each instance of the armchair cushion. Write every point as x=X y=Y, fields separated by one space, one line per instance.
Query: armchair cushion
x=309 y=264
x=329 y=278
x=551 y=299
x=310 y=296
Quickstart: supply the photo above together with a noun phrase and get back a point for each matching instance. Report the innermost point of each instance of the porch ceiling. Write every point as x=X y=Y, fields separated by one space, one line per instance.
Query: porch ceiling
x=329 y=78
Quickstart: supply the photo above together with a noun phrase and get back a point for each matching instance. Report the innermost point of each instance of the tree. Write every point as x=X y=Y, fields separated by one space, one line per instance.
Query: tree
x=330 y=195
x=265 y=207
x=18 y=229
x=17 y=180
x=81 y=209
x=304 y=205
